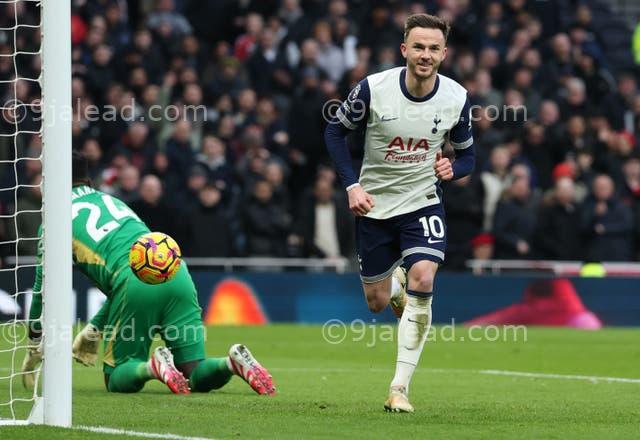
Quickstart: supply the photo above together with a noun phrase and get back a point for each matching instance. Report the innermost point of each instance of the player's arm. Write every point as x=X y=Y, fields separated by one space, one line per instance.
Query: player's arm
x=352 y=114
x=35 y=311
x=33 y=355
x=461 y=139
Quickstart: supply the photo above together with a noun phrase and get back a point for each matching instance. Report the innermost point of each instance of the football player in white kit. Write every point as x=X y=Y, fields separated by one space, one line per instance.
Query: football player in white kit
x=403 y=117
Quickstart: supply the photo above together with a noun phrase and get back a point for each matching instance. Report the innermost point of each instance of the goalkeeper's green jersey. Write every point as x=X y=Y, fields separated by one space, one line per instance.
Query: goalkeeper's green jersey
x=103 y=230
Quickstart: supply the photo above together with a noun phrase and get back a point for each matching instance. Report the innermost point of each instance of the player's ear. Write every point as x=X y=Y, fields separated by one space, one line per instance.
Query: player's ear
x=444 y=53
x=403 y=49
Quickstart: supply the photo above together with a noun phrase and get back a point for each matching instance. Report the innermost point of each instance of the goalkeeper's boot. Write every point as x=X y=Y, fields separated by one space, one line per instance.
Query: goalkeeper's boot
x=85 y=346
x=31 y=362
x=165 y=371
x=398 y=401
x=399 y=299
x=247 y=367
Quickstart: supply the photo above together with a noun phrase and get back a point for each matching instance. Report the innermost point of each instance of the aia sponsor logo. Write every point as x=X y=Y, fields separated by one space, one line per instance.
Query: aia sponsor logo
x=407 y=150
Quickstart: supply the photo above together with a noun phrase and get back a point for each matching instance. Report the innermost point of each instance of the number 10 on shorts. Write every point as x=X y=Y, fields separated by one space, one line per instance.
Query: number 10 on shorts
x=433 y=226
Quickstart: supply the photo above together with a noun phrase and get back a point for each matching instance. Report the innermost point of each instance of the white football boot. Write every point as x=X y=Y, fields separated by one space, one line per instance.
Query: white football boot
x=166 y=372
x=248 y=368
x=398 y=401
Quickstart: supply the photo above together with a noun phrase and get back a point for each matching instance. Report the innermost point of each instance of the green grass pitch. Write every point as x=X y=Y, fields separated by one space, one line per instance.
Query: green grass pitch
x=338 y=390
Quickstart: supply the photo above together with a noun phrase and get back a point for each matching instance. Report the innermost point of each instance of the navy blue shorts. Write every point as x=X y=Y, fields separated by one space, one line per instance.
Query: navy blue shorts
x=383 y=245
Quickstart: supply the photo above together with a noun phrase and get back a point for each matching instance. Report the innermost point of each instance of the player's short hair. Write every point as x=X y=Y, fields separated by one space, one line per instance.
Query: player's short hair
x=426 y=21
x=79 y=167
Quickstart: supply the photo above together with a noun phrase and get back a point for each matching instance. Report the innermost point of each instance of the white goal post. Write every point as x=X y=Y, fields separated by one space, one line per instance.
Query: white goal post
x=51 y=402
x=57 y=266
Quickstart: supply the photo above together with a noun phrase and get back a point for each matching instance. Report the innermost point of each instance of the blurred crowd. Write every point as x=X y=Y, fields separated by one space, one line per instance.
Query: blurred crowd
x=206 y=118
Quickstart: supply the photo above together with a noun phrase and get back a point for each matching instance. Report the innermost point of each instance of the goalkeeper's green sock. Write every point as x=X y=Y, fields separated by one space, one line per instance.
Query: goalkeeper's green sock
x=210 y=374
x=130 y=377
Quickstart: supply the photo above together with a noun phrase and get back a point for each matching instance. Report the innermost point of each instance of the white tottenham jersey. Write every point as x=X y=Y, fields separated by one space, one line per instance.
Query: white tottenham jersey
x=402 y=135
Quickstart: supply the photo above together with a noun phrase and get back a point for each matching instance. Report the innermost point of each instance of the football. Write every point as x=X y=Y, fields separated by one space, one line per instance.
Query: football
x=155 y=258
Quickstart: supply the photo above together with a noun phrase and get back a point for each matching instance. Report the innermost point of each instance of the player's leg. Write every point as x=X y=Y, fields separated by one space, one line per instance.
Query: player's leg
x=213 y=373
x=183 y=331
x=207 y=374
x=134 y=319
x=377 y=294
x=423 y=240
x=413 y=328
x=132 y=375
x=128 y=377
x=378 y=257
x=125 y=360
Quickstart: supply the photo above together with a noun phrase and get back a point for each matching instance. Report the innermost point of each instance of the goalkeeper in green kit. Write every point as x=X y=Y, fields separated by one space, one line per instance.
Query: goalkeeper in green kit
x=103 y=229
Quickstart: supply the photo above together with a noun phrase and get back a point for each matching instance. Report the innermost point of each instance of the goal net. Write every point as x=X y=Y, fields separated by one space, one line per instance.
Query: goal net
x=35 y=182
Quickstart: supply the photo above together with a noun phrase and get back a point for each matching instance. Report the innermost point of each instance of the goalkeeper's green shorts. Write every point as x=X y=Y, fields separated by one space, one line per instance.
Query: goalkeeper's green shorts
x=140 y=311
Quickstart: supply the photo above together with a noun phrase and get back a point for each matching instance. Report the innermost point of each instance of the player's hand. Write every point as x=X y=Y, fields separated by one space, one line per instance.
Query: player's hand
x=85 y=346
x=360 y=202
x=32 y=360
x=444 y=170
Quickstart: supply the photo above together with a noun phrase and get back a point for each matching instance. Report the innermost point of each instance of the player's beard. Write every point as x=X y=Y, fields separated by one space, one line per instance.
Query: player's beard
x=424 y=74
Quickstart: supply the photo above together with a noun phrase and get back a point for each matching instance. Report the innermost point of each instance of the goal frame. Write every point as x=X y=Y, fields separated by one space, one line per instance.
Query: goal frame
x=54 y=406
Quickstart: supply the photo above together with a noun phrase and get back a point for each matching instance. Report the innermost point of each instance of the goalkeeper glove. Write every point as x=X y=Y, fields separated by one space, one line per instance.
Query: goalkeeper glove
x=31 y=362
x=85 y=346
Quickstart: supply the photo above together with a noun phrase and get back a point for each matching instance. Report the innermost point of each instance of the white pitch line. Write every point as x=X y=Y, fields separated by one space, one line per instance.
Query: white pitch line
x=457 y=370
x=460 y=370
x=103 y=430
x=559 y=376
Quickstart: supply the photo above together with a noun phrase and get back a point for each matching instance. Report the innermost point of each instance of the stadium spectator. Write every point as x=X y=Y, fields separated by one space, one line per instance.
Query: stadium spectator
x=536 y=148
x=128 y=184
x=486 y=94
x=324 y=225
x=560 y=66
x=179 y=151
x=463 y=203
x=606 y=223
x=267 y=67
x=618 y=104
x=208 y=214
x=93 y=153
x=213 y=158
x=556 y=236
x=515 y=221
x=166 y=22
x=136 y=147
x=152 y=208
x=274 y=173
x=494 y=180
x=245 y=43
x=266 y=223
x=486 y=135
